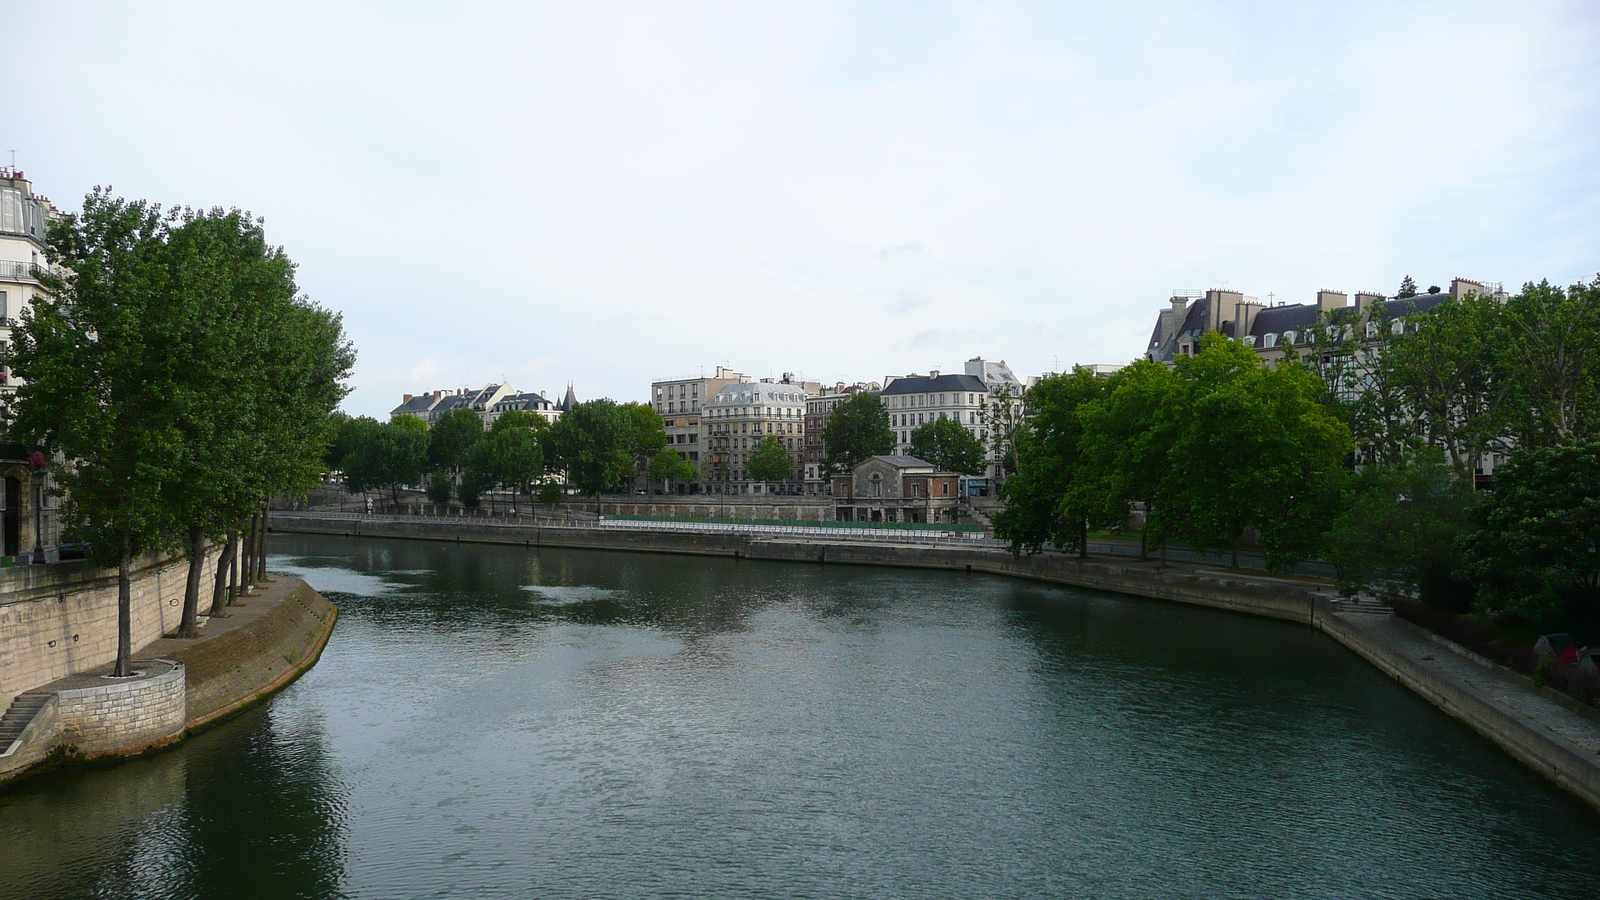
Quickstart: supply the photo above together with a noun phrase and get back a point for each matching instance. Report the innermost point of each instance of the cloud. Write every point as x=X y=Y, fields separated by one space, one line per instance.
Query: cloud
x=611 y=192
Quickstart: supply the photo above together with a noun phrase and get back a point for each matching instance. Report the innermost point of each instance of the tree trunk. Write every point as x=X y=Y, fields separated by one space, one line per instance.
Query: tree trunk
x=261 y=547
x=189 y=626
x=219 y=583
x=247 y=571
x=124 y=609
x=1144 y=545
x=235 y=545
x=1083 y=548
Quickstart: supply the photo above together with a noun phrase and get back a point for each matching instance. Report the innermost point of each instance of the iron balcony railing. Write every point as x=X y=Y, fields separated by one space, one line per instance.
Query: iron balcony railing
x=21 y=271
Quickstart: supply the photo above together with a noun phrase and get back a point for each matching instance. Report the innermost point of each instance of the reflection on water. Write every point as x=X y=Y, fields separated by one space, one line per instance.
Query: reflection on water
x=499 y=721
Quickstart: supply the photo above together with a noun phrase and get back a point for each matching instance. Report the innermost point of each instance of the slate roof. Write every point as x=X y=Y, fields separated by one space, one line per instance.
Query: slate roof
x=418 y=404
x=922 y=384
x=906 y=462
x=1295 y=317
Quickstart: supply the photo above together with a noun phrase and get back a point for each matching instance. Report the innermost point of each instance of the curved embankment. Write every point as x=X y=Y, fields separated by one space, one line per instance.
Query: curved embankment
x=1560 y=743
x=183 y=686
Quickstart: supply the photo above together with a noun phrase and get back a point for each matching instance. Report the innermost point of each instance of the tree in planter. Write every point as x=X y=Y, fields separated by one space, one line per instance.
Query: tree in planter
x=857 y=429
x=949 y=445
x=1535 y=553
x=97 y=359
x=770 y=462
x=667 y=466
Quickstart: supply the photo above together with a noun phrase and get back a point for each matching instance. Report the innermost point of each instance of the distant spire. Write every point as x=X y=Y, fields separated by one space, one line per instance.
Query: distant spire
x=570 y=401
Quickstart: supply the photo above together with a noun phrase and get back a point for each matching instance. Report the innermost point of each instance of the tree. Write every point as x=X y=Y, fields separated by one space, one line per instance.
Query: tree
x=1002 y=413
x=593 y=443
x=667 y=465
x=1043 y=500
x=1125 y=443
x=452 y=438
x=1536 y=551
x=1253 y=449
x=439 y=488
x=1399 y=531
x=520 y=418
x=770 y=462
x=1443 y=368
x=394 y=456
x=97 y=356
x=645 y=434
x=1547 y=353
x=1408 y=289
x=349 y=433
x=508 y=457
x=949 y=445
x=857 y=429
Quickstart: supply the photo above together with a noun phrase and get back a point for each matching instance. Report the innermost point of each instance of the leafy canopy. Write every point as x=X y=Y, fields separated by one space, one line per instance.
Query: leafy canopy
x=857 y=428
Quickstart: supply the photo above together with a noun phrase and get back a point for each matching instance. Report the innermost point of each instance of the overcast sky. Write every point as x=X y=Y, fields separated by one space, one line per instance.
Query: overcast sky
x=610 y=193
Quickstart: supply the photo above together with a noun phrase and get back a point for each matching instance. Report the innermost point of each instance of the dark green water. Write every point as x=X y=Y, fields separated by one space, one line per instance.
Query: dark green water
x=495 y=722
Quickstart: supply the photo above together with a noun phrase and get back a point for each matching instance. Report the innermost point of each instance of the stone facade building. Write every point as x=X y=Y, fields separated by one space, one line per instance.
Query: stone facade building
x=678 y=402
x=734 y=422
x=24 y=217
x=896 y=489
x=818 y=410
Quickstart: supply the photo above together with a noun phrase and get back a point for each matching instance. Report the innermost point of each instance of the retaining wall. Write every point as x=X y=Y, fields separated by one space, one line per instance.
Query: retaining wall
x=707 y=506
x=62 y=619
x=125 y=715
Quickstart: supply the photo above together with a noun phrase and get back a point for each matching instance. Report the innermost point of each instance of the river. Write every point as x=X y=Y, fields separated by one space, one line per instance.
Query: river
x=503 y=722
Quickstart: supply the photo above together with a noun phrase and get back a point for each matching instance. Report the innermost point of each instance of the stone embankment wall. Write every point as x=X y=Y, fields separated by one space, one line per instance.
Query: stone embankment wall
x=701 y=506
x=238 y=668
x=125 y=715
x=62 y=619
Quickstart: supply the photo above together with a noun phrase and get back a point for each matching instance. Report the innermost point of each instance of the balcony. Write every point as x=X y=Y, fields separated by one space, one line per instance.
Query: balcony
x=13 y=270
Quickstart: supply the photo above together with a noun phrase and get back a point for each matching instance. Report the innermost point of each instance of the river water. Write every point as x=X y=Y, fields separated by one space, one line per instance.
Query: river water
x=502 y=722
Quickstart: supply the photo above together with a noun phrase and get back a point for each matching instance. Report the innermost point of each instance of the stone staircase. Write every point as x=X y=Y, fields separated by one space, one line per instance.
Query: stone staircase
x=1363 y=603
x=16 y=719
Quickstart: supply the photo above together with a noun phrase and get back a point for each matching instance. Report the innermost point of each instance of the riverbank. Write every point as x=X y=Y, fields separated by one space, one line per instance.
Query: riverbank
x=1559 y=743
x=180 y=686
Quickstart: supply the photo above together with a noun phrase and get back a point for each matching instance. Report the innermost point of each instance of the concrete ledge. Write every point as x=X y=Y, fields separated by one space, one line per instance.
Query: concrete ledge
x=124 y=716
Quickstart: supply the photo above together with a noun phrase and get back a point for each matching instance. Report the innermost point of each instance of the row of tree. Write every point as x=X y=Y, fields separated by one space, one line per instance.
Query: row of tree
x=1364 y=447
x=177 y=380
x=596 y=446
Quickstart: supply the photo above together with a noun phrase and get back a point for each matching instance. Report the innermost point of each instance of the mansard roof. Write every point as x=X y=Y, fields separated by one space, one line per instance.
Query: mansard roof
x=922 y=384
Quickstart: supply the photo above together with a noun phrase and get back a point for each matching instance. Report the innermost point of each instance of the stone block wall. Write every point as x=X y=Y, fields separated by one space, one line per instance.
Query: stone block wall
x=55 y=624
x=125 y=715
x=799 y=509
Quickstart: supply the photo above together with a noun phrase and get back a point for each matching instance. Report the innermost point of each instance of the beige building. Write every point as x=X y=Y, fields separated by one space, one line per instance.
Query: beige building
x=733 y=423
x=678 y=402
x=896 y=489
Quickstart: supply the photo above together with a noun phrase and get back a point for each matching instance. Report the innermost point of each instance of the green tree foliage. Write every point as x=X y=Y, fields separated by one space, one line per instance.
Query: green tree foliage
x=857 y=428
x=506 y=458
x=395 y=455
x=594 y=443
x=1254 y=448
x=452 y=438
x=349 y=433
x=1408 y=289
x=646 y=434
x=1043 y=499
x=175 y=369
x=770 y=462
x=1547 y=355
x=1444 y=372
x=439 y=488
x=1125 y=441
x=949 y=445
x=1400 y=529
x=1002 y=414
x=1536 y=553
x=520 y=418
x=667 y=465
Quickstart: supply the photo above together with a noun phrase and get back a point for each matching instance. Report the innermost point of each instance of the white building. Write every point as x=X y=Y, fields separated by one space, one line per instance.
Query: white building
x=23 y=220
x=678 y=402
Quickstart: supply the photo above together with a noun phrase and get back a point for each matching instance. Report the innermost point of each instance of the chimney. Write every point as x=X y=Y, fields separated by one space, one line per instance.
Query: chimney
x=933 y=373
x=404 y=399
x=1172 y=319
x=438 y=394
x=1327 y=301
x=1365 y=301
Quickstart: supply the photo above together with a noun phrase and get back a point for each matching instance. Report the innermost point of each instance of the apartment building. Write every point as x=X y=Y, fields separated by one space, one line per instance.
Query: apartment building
x=818 y=409
x=733 y=423
x=24 y=217
x=678 y=402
